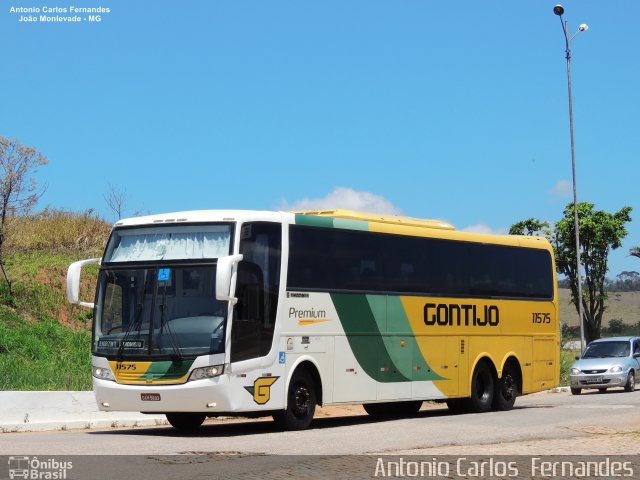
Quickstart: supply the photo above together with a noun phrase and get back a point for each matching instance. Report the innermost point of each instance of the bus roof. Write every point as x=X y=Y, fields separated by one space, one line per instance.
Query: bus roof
x=379 y=218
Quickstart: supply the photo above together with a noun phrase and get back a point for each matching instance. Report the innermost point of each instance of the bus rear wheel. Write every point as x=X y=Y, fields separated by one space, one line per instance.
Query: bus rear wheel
x=506 y=391
x=392 y=409
x=301 y=403
x=185 y=422
x=481 y=389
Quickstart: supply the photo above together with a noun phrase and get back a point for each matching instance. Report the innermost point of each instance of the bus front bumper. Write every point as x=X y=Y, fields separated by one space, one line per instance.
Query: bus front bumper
x=207 y=395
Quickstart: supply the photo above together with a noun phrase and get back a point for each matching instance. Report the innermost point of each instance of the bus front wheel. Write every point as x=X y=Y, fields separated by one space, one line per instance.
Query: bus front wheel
x=481 y=389
x=301 y=403
x=185 y=422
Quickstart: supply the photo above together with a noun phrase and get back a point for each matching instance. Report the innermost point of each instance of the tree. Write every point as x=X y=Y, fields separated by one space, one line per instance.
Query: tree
x=530 y=226
x=116 y=200
x=18 y=193
x=600 y=232
x=635 y=252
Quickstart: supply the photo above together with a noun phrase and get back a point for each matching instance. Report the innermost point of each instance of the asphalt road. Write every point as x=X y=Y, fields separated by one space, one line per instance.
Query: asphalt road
x=545 y=417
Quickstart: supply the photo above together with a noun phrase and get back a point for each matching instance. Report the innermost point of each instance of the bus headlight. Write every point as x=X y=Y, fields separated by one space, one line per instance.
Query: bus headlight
x=206 y=372
x=103 y=373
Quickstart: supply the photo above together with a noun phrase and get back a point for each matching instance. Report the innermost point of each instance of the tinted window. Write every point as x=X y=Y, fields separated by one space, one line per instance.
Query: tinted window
x=256 y=290
x=333 y=259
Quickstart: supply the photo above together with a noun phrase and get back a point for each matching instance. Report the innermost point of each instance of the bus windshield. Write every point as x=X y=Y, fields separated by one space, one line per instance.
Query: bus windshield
x=156 y=292
x=160 y=311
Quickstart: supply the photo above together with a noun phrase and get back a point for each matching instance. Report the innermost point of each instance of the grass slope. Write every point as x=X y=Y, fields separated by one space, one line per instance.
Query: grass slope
x=44 y=355
x=45 y=342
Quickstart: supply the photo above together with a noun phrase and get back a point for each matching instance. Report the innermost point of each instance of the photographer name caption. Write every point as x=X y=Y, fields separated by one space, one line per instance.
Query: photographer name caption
x=532 y=467
x=59 y=14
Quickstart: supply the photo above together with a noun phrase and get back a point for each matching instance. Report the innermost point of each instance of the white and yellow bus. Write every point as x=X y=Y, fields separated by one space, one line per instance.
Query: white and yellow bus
x=211 y=313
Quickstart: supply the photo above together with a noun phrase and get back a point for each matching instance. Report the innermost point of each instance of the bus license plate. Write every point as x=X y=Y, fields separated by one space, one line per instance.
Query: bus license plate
x=150 y=397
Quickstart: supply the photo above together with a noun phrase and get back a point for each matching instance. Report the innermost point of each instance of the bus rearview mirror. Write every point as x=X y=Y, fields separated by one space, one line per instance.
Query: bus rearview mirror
x=226 y=272
x=73 y=281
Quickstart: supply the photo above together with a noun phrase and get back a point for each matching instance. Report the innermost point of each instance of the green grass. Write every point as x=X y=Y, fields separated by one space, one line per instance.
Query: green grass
x=45 y=342
x=43 y=355
x=567 y=357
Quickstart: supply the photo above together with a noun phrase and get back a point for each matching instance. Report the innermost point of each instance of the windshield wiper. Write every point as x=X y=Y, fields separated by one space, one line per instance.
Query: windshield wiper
x=136 y=322
x=175 y=346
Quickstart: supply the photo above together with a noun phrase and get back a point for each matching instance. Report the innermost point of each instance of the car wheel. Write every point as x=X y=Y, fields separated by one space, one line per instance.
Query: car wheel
x=186 y=422
x=481 y=389
x=576 y=391
x=301 y=403
x=506 y=391
x=631 y=382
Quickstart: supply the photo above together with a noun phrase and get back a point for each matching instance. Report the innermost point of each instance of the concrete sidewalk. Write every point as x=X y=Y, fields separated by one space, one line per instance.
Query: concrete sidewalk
x=41 y=411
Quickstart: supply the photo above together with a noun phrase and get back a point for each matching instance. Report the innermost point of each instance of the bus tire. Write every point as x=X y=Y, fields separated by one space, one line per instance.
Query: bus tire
x=393 y=409
x=185 y=422
x=506 y=390
x=301 y=403
x=481 y=389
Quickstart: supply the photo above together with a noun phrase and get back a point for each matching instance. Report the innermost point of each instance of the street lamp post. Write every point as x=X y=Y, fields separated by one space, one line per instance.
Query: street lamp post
x=559 y=10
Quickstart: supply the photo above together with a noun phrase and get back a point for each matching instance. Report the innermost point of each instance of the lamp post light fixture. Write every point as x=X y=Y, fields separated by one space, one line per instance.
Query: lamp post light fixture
x=559 y=10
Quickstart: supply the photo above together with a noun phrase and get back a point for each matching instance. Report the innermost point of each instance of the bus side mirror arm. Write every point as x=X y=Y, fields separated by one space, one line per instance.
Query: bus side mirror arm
x=226 y=273
x=73 y=281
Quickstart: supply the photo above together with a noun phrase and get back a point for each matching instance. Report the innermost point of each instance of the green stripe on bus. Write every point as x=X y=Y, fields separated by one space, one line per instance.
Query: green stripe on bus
x=365 y=340
x=330 y=222
x=167 y=370
x=349 y=224
x=314 y=220
x=398 y=327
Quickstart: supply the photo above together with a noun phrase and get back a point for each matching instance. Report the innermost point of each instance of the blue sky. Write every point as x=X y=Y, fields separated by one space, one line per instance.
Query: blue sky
x=451 y=110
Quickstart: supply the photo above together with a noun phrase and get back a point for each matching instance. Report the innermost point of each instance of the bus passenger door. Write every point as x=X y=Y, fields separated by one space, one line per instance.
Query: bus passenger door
x=257 y=291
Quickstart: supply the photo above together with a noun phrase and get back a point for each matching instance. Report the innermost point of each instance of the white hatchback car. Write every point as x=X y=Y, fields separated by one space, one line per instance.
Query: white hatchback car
x=606 y=363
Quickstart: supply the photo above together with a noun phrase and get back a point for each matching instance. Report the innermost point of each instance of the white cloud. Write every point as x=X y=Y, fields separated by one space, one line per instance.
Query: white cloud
x=562 y=188
x=343 y=197
x=482 y=228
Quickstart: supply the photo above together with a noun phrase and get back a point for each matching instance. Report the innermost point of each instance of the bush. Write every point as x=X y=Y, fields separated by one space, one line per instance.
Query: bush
x=616 y=326
x=57 y=230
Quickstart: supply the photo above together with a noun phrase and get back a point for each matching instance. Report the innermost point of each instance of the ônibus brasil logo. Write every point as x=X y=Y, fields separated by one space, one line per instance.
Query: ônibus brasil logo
x=38 y=469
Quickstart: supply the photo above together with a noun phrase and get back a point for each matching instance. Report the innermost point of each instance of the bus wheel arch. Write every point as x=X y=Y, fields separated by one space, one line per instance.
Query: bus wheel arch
x=313 y=370
x=302 y=394
x=508 y=386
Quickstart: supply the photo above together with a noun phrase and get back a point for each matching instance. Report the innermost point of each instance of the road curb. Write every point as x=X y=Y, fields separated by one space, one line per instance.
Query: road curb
x=44 y=411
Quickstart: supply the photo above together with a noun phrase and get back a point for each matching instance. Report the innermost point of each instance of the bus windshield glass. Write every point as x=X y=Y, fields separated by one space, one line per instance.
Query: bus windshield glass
x=156 y=292
x=168 y=243
x=159 y=312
